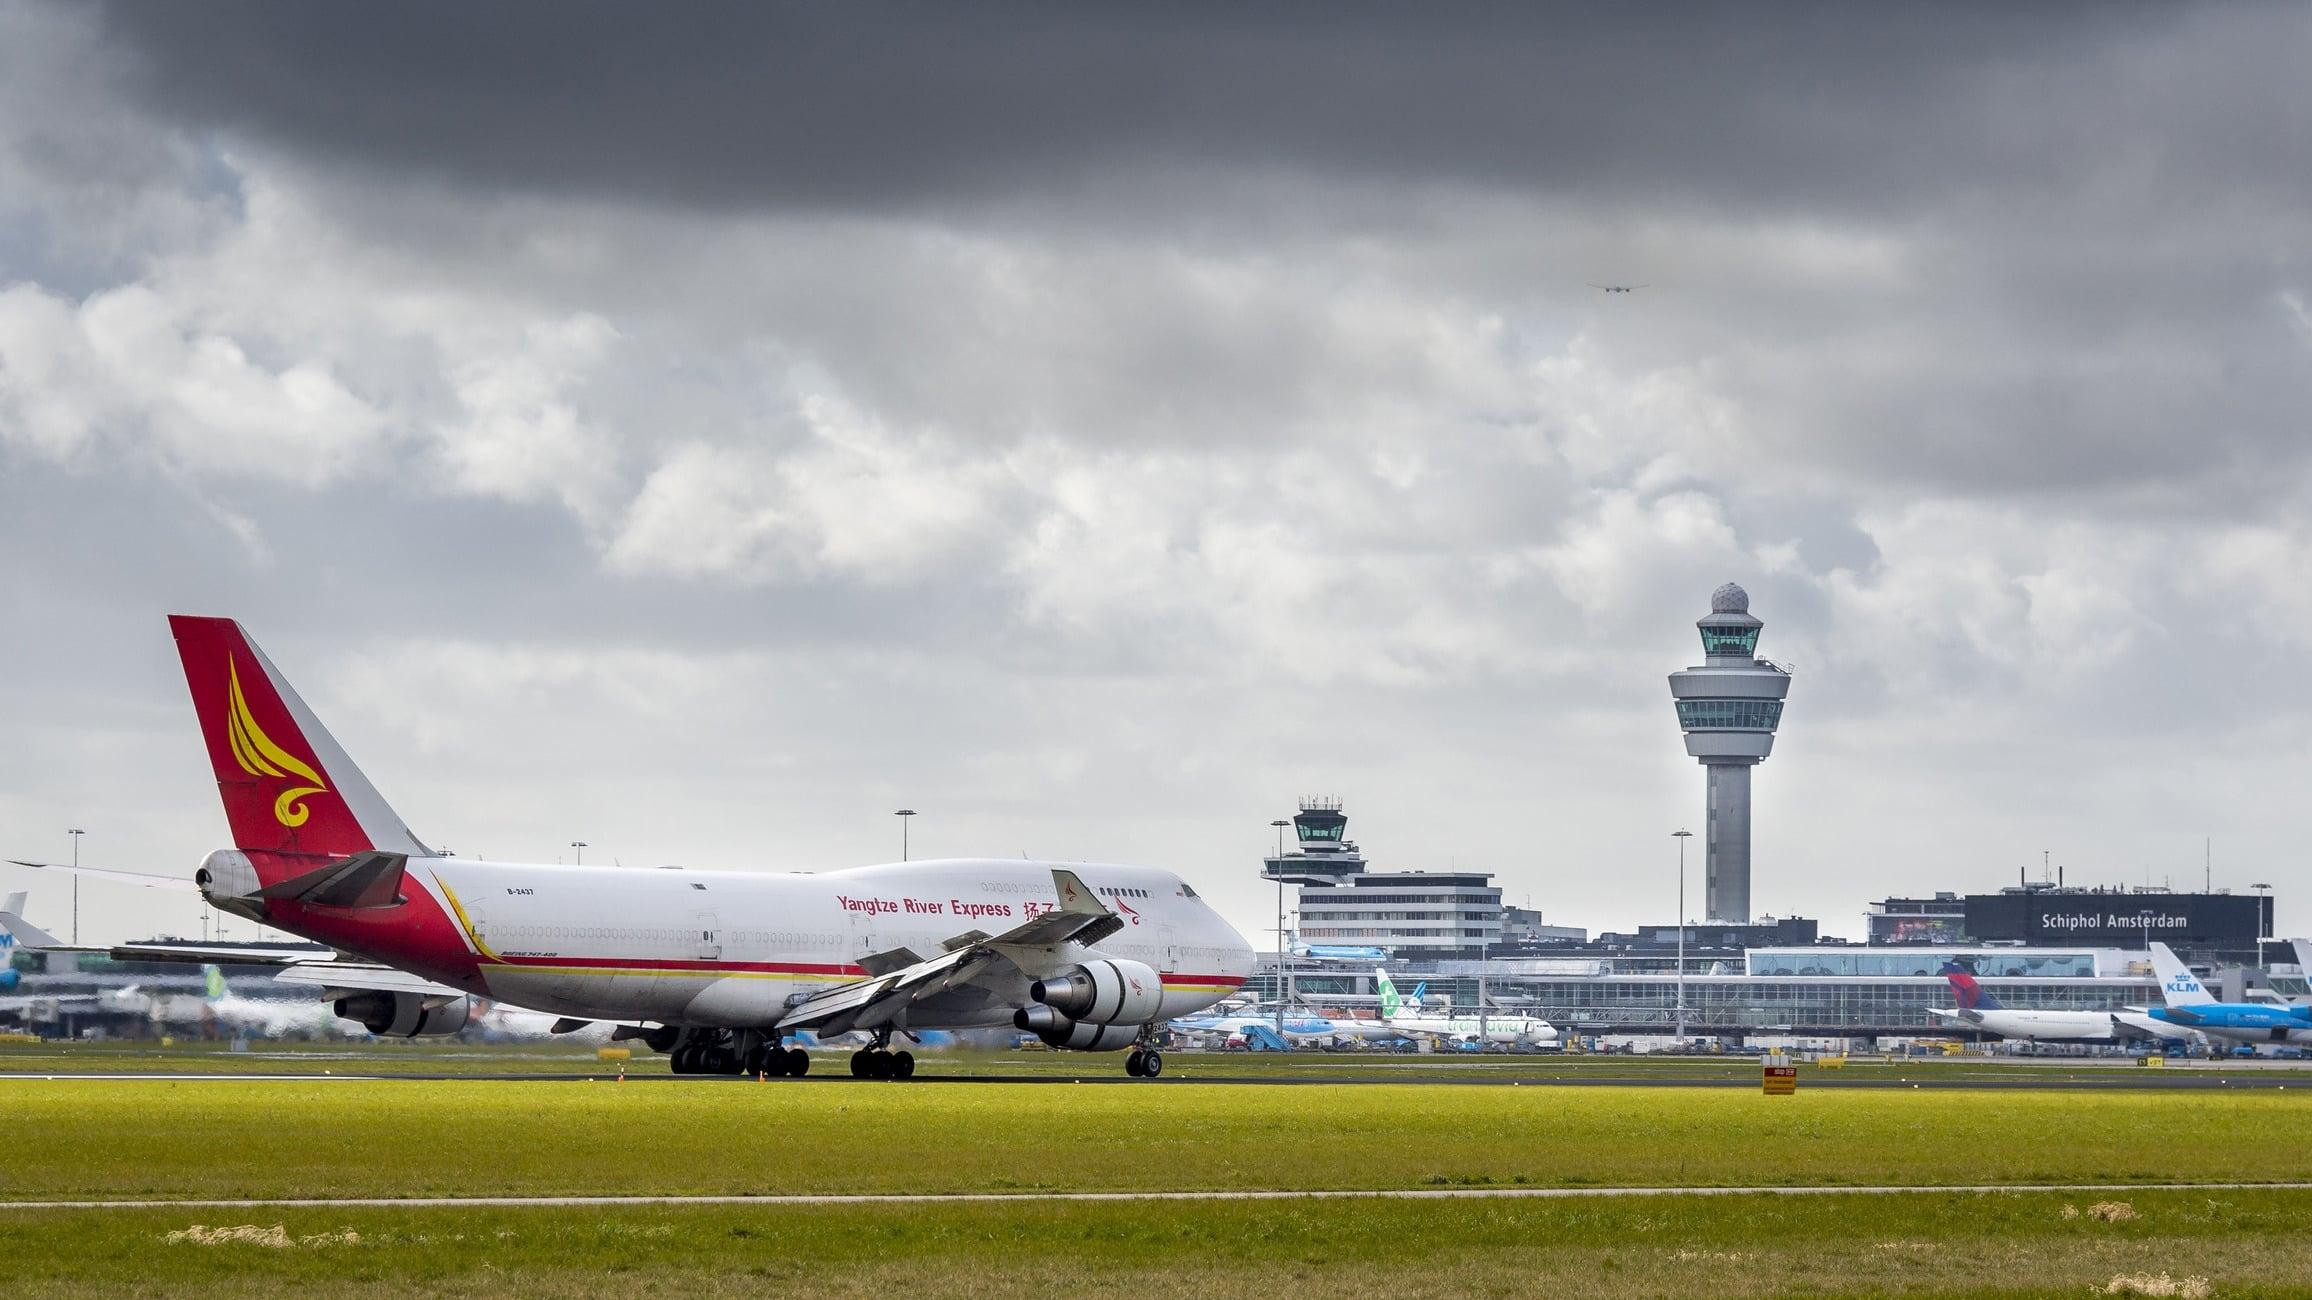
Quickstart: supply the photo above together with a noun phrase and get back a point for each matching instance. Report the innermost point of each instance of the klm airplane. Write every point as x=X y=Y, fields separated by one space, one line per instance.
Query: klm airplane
x=2190 y=1005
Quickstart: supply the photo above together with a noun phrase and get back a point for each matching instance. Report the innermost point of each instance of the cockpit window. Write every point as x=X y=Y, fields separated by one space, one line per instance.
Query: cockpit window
x=1187 y=889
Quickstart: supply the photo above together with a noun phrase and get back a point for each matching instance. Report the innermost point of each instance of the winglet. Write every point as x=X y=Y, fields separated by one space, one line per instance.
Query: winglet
x=1075 y=895
x=28 y=934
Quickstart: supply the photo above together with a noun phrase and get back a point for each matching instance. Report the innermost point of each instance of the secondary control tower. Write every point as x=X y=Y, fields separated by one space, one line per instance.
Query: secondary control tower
x=1728 y=706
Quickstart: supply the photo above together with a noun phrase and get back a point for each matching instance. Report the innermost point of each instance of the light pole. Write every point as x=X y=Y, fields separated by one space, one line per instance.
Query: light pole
x=579 y=845
x=76 y=834
x=903 y=814
x=1682 y=837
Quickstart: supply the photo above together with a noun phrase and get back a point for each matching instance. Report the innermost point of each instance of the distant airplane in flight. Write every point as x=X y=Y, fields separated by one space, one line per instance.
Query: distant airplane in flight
x=1619 y=288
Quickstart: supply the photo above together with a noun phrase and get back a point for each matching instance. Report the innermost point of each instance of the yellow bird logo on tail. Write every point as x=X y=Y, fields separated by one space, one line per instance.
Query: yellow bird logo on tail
x=258 y=755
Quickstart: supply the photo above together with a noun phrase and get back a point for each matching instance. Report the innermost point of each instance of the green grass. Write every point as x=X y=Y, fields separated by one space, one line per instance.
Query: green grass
x=97 y=1138
x=2239 y=1244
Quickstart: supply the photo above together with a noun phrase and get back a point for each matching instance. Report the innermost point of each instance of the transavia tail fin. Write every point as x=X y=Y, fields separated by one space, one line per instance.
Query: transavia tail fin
x=287 y=785
x=2177 y=984
x=1970 y=994
x=1390 y=1002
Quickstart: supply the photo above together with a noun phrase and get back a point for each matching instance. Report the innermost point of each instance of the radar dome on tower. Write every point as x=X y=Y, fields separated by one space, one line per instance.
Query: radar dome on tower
x=1730 y=599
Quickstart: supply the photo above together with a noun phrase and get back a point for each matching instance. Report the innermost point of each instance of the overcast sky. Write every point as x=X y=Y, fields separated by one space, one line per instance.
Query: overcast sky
x=1096 y=428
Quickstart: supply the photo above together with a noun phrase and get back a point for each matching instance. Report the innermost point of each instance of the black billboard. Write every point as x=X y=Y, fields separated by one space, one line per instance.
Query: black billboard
x=2118 y=920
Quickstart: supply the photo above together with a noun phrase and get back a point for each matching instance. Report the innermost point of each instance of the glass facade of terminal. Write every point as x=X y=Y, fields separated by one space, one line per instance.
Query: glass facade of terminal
x=1857 y=1005
x=1741 y=715
x=1992 y=964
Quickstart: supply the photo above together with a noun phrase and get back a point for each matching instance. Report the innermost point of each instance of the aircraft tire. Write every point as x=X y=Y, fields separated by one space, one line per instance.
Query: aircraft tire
x=903 y=1064
x=1132 y=1063
x=1151 y=1064
x=859 y=1064
x=798 y=1062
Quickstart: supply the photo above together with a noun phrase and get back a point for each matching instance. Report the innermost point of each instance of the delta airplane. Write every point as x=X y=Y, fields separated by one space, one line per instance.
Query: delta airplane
x=1507 y=1030
x=2191 y=1006
x=1977 y=1009
x=716 y=968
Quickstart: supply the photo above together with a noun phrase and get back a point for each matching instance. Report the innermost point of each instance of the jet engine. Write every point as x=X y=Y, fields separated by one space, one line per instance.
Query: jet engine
x=405 y=1015
x=1105 y=992
x=1096 y=1007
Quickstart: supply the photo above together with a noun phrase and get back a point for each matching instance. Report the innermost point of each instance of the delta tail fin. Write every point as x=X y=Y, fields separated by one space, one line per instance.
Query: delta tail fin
x=287 y=785
x=1970 y=994
x=2177 y=984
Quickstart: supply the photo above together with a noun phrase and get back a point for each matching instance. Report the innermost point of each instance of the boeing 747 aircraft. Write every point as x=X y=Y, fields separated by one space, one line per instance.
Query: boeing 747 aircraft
x=716 y=968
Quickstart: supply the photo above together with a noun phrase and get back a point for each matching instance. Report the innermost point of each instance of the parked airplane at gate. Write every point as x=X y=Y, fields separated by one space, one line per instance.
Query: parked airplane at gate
x=1977 y=1009
x=2190 y=1005
x=716 y=968
x=1506 y=1030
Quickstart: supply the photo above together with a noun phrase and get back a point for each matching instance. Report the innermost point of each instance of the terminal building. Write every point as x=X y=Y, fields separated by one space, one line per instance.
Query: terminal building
x=1405 y=915
x=2212 y=928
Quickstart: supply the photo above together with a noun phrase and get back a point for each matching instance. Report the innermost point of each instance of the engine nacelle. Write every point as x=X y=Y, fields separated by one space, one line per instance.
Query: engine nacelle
x=1057 y=1030
x=1103 y=992
x=404 y=1015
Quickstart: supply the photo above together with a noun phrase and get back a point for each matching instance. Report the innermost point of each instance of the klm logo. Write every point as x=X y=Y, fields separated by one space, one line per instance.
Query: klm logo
x=2183 y=984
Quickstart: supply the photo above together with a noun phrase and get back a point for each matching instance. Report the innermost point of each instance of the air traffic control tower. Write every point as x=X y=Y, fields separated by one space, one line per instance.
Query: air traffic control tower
x=1728 y=706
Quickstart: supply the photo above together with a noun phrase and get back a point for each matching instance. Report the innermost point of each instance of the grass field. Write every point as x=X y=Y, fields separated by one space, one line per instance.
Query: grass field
x=2240 y=1244
x=103 y=1139
x=94 y=1138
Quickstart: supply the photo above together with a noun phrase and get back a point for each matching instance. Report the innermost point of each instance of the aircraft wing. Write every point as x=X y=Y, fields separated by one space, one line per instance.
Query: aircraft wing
x=883 y=999
x=318 y=966
x=334 y=978
x=147 y=879
x=36 y=939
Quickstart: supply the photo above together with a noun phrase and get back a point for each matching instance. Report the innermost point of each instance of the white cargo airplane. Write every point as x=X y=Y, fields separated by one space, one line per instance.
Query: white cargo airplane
x=717 y=968
x=1501 y=1030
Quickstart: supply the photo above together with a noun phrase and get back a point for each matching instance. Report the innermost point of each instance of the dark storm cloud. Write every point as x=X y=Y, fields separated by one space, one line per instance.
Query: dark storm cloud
x=842 y=106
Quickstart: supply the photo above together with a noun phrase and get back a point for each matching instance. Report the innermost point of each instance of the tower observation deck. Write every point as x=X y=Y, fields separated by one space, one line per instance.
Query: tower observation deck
x=1729 y=706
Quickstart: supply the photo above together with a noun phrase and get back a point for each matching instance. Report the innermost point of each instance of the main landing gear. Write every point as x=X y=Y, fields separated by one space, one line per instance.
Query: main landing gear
x=1145 y=1062
x=717 y=1051
x=880 y=1062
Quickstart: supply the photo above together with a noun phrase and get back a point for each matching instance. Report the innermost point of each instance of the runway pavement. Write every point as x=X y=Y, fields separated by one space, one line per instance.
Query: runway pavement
x=952 y=1198
x=2094 y=1080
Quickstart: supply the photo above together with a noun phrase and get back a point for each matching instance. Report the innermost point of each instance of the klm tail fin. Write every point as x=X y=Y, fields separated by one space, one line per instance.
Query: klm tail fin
x=287 y=785
x=1390 y=1002
x=2177 y=984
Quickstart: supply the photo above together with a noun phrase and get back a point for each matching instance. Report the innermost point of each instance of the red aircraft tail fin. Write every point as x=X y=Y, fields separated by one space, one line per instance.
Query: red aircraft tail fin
x=287 y=785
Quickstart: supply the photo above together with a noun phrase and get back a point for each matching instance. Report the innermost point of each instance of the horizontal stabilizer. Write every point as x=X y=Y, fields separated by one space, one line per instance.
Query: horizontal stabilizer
x=364 y=880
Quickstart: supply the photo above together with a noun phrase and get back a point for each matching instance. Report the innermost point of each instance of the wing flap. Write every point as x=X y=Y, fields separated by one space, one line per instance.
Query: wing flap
x=881 y=998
